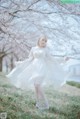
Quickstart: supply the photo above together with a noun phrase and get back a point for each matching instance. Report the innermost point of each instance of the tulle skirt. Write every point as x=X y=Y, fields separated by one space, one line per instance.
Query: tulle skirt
x=38 y=71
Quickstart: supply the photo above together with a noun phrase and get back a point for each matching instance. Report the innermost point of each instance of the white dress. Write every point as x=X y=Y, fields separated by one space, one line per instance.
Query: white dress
x=40 y=68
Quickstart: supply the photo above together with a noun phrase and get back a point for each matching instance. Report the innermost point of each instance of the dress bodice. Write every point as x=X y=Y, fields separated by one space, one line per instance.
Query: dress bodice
x=39 y=53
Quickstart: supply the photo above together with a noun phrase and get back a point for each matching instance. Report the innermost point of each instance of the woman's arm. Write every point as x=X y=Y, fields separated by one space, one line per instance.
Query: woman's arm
x=52 y=57
x=30 y=58
x=62 y=59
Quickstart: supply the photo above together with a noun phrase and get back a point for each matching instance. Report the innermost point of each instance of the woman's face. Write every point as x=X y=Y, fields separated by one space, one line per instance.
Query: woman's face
x=42 y=42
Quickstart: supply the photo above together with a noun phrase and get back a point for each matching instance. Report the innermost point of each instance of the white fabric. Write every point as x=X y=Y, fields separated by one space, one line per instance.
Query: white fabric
x=41 y=67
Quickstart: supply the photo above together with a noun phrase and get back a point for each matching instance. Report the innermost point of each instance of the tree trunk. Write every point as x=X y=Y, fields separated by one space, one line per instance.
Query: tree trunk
x=1 y=59
x=12 y=65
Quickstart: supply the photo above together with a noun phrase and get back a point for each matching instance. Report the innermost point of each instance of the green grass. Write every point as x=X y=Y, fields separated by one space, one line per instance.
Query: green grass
x=70 y=1
x=73 y=83
x=20 y=104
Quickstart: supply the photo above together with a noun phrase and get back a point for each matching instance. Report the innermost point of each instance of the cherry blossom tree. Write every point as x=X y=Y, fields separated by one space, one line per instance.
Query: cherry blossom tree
x=23 y=21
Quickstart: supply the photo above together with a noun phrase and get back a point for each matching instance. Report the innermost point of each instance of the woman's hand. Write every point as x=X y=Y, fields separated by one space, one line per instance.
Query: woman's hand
x=17 y=62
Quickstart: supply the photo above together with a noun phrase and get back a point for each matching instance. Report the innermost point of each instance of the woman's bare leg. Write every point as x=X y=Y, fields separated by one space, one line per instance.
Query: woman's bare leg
x=40 y=95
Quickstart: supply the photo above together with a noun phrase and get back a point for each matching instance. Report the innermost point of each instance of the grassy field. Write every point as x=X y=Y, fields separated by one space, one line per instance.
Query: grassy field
x=73 y=83
x=19 y=104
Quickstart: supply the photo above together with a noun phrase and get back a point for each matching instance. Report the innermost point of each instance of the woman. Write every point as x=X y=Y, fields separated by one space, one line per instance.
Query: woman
x=41 y=67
